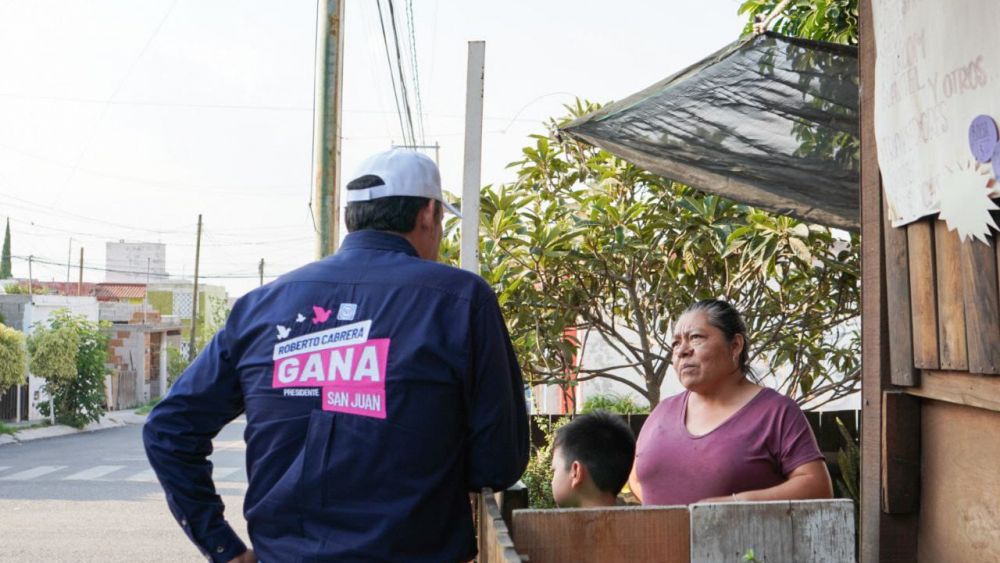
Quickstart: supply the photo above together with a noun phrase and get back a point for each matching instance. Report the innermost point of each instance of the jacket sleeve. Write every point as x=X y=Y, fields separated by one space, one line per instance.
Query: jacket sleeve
x=497 y=415
x=178 y=438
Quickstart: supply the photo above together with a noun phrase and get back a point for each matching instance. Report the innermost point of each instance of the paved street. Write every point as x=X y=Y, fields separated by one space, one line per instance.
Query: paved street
x=93 y=497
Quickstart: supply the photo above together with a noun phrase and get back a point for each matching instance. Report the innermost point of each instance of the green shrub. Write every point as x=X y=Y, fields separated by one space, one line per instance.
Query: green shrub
x=18 y=289
x=79 y=398
x=538 y=475
x=176 y=364
x=13 y=358
x=613 y=403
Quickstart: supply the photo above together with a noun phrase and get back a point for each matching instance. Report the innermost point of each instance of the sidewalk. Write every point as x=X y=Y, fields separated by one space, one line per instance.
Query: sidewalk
x=111 y=419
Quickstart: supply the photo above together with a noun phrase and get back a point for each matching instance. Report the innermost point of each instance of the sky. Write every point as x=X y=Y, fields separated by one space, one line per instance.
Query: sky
x=125 y=120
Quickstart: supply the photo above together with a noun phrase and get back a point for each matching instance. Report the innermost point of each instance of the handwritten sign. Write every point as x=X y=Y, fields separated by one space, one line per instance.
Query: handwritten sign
x=937 y=84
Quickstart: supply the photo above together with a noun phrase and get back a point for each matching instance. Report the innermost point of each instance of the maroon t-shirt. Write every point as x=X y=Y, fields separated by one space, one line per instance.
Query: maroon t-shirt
x=755 y=448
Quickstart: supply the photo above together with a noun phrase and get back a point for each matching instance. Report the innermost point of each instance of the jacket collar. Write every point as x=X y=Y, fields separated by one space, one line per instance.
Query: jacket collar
x=378 y=240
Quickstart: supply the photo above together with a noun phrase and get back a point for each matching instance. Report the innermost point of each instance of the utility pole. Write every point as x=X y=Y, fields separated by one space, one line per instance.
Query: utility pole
x=472 y=170
x=260 y=268
x=145 y=294
x=326 y=129
x=194 y=299
x=79 y=284
x=69 y=263
x=31 y=281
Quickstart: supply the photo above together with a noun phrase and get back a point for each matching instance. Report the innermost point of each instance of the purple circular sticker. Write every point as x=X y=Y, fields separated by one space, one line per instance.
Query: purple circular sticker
x=983 y=137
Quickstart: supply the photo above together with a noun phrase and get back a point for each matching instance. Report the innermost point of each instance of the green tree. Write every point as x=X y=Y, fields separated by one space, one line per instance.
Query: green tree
x=70 y=354
x=13 y=358
x=586 y=243
x=834 y=21
x=5 y=269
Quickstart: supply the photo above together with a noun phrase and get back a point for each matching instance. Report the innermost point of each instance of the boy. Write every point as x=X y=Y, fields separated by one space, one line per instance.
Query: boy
x=591 y=460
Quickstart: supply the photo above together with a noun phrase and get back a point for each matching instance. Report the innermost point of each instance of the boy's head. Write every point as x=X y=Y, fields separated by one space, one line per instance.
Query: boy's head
x=591 y=460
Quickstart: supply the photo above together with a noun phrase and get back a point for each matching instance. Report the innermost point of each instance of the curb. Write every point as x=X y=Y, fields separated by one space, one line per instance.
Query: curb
x=108 y=420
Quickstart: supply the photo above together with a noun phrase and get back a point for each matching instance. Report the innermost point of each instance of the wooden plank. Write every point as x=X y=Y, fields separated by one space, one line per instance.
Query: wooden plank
x=495 y=543
x=982 y=316
x=960 y=388
x=959 y=497
x=923 y=302
x=897 y=291
x=951 y=305
x=900 y=453
x=820 y=531
x=514 y=498
x=883 y=537
x=626 y=533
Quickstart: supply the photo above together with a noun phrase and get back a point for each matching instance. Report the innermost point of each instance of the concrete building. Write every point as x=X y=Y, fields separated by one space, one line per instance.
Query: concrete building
x=135 y=262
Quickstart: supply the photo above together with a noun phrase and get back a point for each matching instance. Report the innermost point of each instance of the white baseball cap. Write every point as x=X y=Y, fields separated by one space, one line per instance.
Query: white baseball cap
x=401 y=172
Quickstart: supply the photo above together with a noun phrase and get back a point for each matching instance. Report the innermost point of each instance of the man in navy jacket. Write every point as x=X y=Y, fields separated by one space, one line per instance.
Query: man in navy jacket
x=379 y=387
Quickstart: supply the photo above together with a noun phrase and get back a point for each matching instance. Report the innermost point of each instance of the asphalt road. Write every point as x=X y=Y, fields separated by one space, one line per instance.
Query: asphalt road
x=93 y=497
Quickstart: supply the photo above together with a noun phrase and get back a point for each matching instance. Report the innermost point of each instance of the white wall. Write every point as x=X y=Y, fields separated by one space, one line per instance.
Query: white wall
x=40 y=311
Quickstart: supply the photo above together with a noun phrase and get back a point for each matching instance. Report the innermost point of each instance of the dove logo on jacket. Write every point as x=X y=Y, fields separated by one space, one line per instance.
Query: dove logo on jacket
x=348 y=367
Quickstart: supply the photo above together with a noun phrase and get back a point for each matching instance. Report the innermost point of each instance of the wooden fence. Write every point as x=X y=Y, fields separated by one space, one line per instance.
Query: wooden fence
x=815 y=531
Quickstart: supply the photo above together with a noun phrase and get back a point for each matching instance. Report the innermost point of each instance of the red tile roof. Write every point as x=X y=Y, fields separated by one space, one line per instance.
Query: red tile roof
x=120 y=291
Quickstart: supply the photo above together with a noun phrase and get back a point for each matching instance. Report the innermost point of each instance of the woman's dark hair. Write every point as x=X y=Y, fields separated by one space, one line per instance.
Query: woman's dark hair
x=396 y=214
x=723 y=316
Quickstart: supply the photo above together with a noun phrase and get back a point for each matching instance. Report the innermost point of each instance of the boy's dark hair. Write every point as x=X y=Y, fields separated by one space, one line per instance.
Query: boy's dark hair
x=603 y=443
x=397 y=214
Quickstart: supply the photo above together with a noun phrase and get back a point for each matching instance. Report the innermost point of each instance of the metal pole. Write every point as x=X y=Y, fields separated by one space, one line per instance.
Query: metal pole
x=31 y=281
x=79 y=284
x=260 y=269
x=69 y=260
x=145 y=294
x=194 y=300
x=326 y=128
x=469 y=256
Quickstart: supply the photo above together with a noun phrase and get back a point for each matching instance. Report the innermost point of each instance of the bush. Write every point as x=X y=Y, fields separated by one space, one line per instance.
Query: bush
x=13 y=358
x=79 y=398
x=18 y=289
x=176 y=364
x=538 y=475
x=613 y=403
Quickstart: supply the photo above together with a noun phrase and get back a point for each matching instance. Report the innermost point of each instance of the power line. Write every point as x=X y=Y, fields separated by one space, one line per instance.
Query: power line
x=50 y=262
x=402 y=77
x=416 y=70
x=392 y=75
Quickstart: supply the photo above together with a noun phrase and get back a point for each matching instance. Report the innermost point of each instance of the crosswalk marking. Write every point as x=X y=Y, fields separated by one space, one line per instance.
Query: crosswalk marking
x=93 y=473
x=147 y=476
x=222 y=472
x=32 y=473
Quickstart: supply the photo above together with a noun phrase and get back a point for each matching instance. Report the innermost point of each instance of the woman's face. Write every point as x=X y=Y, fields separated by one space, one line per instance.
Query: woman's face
x=702 y=357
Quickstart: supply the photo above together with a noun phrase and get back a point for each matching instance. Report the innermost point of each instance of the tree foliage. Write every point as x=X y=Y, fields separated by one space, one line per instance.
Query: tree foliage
x=834 y=21
x=5 y=266
x=70 y=354
x=13 y=358
x=584 y=243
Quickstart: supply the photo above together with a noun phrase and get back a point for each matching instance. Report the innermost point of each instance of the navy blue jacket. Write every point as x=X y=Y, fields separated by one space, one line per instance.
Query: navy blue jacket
x=379 y=389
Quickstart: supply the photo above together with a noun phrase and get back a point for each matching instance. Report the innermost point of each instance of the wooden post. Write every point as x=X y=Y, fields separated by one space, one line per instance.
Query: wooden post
x=194 y=300
x=326 y=128
x=469 y=256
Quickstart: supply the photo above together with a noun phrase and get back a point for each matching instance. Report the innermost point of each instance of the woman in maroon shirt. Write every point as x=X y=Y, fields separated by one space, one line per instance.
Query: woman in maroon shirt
x=725 y=438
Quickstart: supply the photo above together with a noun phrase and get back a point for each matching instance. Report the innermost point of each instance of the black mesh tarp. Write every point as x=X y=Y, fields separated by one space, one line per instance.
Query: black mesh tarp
x=771 y=122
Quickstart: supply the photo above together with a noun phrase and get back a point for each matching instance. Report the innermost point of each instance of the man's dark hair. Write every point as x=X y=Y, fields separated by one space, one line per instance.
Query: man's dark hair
x=397 y=214
x=603 y=443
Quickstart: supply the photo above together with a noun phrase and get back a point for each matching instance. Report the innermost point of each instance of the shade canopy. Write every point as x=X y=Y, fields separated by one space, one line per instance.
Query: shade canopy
x=771 y=121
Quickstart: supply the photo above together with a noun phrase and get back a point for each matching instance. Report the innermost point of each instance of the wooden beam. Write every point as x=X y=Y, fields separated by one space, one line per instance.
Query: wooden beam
x=951 y=305
x=960 y=388
x=900 y=453
x=884 y=537
x=923 y=302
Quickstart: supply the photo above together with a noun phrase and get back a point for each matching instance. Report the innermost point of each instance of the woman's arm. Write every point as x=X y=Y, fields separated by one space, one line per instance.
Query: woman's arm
x=633 y=484
x=807 y=481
